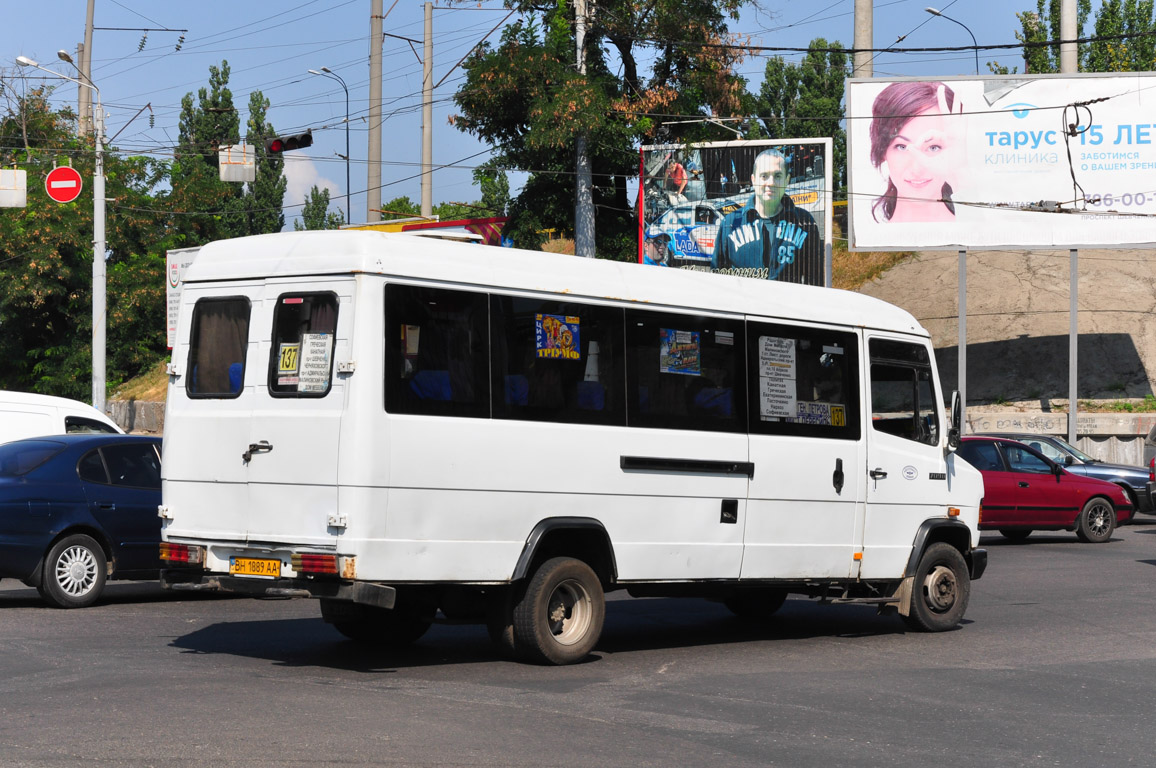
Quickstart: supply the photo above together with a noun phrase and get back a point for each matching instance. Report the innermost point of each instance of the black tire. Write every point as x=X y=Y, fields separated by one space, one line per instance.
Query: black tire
x=1015 y=534
x=75 y=570
x=1097 y=521
x=559 y=618
x=756 y=604
x=941 y=590
x=369 y=624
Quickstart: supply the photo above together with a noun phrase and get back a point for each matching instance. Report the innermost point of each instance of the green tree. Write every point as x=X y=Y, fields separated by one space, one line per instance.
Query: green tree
x=316 y=213
x=527 y=100
x=46 y=259
x=264 y=198
x=804 y=100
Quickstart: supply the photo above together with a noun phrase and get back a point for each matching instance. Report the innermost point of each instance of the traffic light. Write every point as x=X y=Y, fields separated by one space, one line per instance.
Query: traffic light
x=279 y=144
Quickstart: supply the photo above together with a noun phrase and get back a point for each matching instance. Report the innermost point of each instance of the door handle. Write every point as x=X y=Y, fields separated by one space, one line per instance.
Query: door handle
x=1025 y=484
x=837 y=476
x=878 y=474
x=105 y=505
x=263 y=446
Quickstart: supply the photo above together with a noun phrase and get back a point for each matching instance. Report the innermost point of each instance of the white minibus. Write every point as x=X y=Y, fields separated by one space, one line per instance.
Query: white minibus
x=414 y=430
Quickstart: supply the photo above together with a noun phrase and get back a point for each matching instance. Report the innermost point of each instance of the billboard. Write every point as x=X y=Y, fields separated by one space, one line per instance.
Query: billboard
x=1045 y=161
x=758 y=209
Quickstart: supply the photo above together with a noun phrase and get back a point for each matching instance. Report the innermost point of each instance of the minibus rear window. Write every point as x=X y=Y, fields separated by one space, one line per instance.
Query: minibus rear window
x=304 y=329
x=217 y=347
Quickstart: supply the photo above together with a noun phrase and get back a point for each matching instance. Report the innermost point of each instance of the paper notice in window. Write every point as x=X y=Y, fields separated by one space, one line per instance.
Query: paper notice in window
x=777 y=378
x=316 y=362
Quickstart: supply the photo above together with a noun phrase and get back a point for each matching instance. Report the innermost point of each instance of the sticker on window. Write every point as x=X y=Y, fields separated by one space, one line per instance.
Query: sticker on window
x=823 y=414
x=556 y=336
x=316 y=361
x=288 y=358
x=679 y=352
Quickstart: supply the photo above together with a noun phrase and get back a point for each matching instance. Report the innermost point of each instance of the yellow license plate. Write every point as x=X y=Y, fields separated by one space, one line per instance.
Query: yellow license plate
x=248 y=566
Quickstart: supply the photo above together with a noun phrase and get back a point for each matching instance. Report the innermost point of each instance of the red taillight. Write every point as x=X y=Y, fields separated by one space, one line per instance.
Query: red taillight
x=325 y=564
x=182 y=553
x=1152 y=469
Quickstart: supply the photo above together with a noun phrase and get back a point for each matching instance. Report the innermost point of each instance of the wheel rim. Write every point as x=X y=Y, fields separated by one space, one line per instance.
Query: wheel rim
x=76 y=571
x=1099 y=521
x=569 y=612
x=941 y=589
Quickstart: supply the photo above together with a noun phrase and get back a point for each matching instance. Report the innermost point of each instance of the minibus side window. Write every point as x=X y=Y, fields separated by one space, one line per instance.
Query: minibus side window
x=804 y=381
x=304 y=333
x=685 y=372
x=557 y=361
x=903 y=398
x=436 y=352
x=217 y=346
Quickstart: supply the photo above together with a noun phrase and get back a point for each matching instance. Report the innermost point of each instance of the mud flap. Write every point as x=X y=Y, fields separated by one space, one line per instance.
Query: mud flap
x=903 y=596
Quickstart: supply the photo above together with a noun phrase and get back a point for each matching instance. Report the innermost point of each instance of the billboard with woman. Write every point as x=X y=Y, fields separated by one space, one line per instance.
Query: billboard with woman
x=1046 y=161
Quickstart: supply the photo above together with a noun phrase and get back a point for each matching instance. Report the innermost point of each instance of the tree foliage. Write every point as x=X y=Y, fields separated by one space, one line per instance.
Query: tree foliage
x=805 y=100
x=316 y=213
x=527 y=99
x=1132 y=19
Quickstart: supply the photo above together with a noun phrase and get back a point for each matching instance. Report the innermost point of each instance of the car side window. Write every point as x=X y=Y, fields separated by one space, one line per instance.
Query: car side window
x=133 y=465
x=903 y=399
x=1049 y=450
x=1021 y=459
x=91 y=468
x=81 y=425
x=981 y=455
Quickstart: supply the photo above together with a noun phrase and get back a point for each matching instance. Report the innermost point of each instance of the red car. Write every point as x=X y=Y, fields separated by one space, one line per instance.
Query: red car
x=1024 y=491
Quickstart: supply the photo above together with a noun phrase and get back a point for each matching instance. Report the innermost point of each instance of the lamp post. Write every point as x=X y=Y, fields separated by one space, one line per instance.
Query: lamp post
x=327 y=72
x=935 y=12
x=99 y=290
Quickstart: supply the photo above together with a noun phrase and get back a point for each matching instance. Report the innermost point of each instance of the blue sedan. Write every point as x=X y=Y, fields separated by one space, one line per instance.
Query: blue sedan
x=76 y=510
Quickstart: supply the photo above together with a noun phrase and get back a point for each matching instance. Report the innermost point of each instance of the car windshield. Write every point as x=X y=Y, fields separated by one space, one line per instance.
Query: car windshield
x=1074 y=450
x=23 y=456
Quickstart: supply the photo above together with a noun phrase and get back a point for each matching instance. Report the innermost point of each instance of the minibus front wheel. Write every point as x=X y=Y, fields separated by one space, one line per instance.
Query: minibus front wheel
x=940 y=589
x=559 y=618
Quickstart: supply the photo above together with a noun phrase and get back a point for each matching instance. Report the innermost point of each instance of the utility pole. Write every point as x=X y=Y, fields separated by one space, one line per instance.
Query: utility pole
x=583 y=193
x=1068 y=31
x=427 y=117
x=373 y=182
x=1069 y=65
x=864 y=38
x=84 y=124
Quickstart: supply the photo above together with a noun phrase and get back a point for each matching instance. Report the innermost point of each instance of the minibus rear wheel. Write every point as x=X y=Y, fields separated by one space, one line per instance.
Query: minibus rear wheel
x=941 y=590
x=559 y=618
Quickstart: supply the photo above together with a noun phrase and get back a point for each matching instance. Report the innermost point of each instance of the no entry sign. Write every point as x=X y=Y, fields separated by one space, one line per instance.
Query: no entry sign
x=63 y=184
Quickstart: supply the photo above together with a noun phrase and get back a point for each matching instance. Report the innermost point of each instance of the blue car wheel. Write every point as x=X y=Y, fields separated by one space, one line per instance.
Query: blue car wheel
x=74 y=572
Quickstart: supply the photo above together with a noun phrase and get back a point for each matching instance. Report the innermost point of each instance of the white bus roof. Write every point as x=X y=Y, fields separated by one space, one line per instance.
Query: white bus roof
x=341 y=252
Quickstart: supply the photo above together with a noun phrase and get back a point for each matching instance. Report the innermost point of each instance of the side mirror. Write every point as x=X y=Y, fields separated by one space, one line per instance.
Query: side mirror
x=1057 y=470
x=955 y=427
x=1069 y=460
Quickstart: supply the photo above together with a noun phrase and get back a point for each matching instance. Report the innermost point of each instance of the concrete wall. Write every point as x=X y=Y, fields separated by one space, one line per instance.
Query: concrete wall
x=1120 y=438
x=138 y=417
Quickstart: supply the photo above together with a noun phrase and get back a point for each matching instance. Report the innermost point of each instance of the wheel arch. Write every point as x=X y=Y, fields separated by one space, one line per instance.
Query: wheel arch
x=95 y=534
x=953 y=532
x=583 y=538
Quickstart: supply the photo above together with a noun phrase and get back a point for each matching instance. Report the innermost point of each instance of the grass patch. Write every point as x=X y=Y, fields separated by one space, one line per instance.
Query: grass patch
x=149 y=387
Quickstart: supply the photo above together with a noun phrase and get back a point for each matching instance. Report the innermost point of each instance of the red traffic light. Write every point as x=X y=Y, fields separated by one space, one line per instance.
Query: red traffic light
x=279 y=144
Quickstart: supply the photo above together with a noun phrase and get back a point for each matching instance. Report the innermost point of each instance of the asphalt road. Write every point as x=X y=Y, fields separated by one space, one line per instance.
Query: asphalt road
x=1055 y=666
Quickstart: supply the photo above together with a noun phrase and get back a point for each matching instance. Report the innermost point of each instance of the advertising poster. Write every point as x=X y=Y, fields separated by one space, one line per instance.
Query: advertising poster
x=1044 y=161
x=556 y=336
x=177 y=261
x=759 y=209
x=679 y=352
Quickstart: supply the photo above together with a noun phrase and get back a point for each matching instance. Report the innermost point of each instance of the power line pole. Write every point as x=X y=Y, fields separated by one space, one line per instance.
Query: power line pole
x=864 y=38
x=84 y=124
x=427 y=117
x=583 y=193
x=373 y=182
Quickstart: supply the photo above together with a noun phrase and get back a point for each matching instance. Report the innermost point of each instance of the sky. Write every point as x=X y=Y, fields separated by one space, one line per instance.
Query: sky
x=271 y=47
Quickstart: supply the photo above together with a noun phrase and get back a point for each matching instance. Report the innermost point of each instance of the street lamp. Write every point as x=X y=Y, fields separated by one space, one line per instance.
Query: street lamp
x=327 y=72
x=99 y=290
x=935 y=12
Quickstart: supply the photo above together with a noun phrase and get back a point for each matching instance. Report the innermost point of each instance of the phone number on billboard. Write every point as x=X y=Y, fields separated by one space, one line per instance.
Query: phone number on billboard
x=1126 y=199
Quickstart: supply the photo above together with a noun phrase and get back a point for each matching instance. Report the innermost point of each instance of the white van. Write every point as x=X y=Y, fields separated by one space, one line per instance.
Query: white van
x=24 y=414
x=401 y=426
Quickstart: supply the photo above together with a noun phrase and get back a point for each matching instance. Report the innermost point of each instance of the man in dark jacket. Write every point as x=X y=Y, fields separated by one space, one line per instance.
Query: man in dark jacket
x=770 y=237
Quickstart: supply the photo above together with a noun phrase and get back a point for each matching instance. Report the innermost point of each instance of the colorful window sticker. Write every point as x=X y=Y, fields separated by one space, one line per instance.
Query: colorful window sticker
x=556 y=336
x=316 y=361
x=823 y=414
x=288 y=358
x=679 y=352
